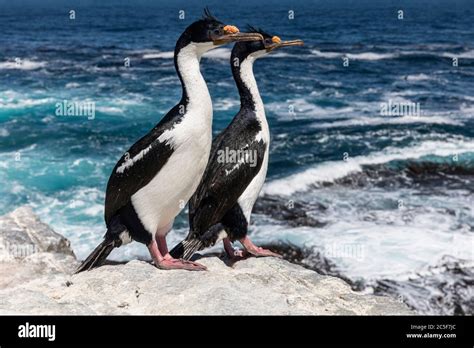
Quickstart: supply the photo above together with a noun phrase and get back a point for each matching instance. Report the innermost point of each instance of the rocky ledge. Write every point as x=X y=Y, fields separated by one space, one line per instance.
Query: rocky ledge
x=36 y=265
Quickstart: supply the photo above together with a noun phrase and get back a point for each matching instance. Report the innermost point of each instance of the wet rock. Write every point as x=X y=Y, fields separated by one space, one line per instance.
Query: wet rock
x=293 y=213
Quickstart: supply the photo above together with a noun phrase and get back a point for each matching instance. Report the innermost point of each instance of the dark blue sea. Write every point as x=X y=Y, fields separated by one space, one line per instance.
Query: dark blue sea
x=392 y=194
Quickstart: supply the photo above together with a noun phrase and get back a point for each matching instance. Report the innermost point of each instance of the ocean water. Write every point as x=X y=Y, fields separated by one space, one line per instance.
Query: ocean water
x=397 y=191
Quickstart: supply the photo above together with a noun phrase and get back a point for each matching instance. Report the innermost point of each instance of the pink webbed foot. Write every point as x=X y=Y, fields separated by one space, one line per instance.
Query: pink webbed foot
x=170 y=263
x=163 y=260
x=257 y=251
x=261 y=252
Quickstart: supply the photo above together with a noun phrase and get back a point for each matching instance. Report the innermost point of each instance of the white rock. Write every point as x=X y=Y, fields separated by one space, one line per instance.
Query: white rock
x=42 y=284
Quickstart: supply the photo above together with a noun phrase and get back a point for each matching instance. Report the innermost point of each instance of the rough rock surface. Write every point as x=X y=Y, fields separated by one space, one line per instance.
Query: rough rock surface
x=41 y=283
x=30 y=249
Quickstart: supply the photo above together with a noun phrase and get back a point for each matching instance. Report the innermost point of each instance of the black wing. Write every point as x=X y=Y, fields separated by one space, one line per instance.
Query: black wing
x=223 y=181
x=129 y=175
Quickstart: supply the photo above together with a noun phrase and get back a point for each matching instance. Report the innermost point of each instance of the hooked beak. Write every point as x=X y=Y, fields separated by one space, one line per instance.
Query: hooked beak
x=232 y=34
x=279 y=44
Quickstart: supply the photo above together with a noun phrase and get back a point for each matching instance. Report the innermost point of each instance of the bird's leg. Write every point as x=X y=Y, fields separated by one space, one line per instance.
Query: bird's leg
x=255 y=250
x=233 y=253
x=161 y=241
x=160 y=237
x=155 y=252
x=167 y=261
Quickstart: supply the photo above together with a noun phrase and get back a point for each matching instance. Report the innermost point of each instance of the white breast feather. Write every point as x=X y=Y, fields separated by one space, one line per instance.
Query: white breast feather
x=158 y=203
x=250 y=195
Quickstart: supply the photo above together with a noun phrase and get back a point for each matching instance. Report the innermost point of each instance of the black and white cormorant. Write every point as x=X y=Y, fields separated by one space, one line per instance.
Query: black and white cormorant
x=221 y=207
x=154 y=179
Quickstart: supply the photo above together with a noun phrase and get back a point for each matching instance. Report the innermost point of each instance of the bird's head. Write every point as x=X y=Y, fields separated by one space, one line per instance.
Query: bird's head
x=261 y=48
x=208 y=33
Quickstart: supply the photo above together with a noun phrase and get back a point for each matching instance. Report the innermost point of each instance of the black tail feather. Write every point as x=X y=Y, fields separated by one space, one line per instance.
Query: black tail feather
x=98 y=256
x=186 y=248
x=195 y=242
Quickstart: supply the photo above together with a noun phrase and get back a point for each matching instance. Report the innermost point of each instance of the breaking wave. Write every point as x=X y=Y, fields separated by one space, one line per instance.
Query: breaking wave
x=333 y=170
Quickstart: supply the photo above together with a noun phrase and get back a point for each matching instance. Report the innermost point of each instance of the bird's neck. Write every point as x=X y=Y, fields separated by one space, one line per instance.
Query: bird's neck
x=249 y=95
x=195 y=92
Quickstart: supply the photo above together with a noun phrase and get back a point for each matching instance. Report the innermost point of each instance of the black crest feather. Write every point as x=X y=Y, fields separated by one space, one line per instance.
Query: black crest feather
x=208 y=16
x=252 y=29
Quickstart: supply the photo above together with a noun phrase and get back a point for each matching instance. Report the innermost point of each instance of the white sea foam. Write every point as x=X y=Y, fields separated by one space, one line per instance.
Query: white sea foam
x=15 y=100
x=223 y=83
x=21 y=64
x=368 y=236
x=4 y=132
x=218 y=54
x=418 y=77
x=327 y=92
x=373 y=56
x=226 y=104
x=72 y=85
x=462 y=55
x=279 y=54
x=94 y=210
x=467 y=109
x=299 y=108
x=375 y=121
x=356 y=56
x=318 y=53
x=109 y=109
x=333 y=170
x=131 y=99
x=159 y=55
x=401 y=94
x=117 y=105
x=371 y=250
